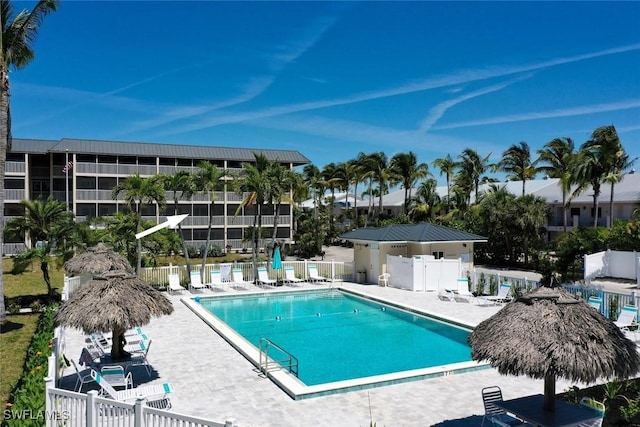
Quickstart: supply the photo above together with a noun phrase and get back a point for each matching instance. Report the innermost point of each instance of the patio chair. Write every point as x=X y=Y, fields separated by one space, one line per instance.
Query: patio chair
x=627 y=318
x=595 y=302
x=383 y=279
x=139 y=357
x=263 y=278
x=238 y=278
x=596 y=407
x=196 y=283
x=313 y=274
x=216 y=280
x=83 y=377
x=114 y=374
x=497 y=416
x=88 y=358
x=503 y=295
x=155 y=395
x=290 y=276
x=174 y=284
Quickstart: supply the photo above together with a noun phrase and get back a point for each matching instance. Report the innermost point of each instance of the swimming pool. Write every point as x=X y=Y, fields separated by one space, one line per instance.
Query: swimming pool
x=341 y=341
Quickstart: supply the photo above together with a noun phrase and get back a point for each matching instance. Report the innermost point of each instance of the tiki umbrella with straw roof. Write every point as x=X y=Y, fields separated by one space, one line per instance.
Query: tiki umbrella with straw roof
x=97 y=260
x=549 y=333
x=115 y=302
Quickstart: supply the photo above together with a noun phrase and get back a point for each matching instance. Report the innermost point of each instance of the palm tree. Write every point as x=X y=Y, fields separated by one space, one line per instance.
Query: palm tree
x=182 y=186
x=530 y=220
x=140 y=191
x=17 y=36
x=472 y=167
x=332 y=176
x=406 y=170
x=447 y=166
x=367 y=165
x=426 y=201
x=254 y=181
x=516 y=162
x=381 y=174
x=207 y=180
x=284 y=182
x=558 y=157
x=595 y=162
x=46 y=229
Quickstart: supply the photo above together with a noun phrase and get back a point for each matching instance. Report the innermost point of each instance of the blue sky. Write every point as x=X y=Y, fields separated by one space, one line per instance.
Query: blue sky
x=334 y=79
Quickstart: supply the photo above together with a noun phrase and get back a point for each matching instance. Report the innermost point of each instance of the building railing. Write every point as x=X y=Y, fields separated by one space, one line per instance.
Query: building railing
x=15 y=167
x=12 y=194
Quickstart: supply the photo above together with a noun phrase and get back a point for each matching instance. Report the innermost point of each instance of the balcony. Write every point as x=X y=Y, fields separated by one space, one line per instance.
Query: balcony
x=14 y=195
x=15 y=167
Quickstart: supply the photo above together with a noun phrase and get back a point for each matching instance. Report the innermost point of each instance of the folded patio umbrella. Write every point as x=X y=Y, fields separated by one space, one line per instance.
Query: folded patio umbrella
x=549 y=333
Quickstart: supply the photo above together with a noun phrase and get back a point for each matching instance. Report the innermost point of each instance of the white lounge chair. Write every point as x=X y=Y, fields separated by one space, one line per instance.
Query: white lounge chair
x=238 y=278
x=595 y=302
x=597 y=408
x=216 y=280
x=463 y=293
x=503 y=295
x=174 y=284
x=290 y=276
x=152 y=393
x=313 y=274
x=263 y=278
x=114 y=374
x=196 y=282
x=627 y=319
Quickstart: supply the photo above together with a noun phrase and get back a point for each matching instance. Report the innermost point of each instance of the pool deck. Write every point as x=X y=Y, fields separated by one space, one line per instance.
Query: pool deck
x=212 y=380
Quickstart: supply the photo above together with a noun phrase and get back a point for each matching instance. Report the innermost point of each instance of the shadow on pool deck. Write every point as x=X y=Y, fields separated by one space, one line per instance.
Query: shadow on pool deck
x=474 y=420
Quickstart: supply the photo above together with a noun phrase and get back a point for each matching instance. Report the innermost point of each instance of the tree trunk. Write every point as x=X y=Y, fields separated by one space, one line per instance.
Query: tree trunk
x=611 y=207
x=355 y=203
x=549 y=392
x=206 y=246
x=4 y=144
x=596 y=193
x=117 y=343
x=184 y=244
x=564 y=210
x=44 y=267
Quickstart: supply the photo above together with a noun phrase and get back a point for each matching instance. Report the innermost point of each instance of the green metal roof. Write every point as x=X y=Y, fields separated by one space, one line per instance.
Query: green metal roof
x=90 y=146
x=424 y=232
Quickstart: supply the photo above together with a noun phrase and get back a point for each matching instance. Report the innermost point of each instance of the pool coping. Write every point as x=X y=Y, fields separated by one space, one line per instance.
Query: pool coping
x=295 y=388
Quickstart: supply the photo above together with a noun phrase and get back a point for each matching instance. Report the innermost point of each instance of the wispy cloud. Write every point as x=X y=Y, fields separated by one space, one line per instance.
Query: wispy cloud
x=563 y=112
x=451 y=79
x=436 y=113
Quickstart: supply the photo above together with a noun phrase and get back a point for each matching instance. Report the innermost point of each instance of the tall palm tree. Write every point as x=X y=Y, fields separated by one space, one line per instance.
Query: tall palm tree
x=558 y=158
x=208 y=179
x=516 y=162
x=532 y=216
x=284 y=182
x=182 y=186
x=367 y=165
x=332 y=176
x=353 y=175
x=381 y=175
x=448 y=167
x=472 y=167
x=140 y=191
x=426 y=201
x=254 y=181
x=595 y=162
x=46 y=229
x=407 y=171
x=620 y=162
x=17 y=35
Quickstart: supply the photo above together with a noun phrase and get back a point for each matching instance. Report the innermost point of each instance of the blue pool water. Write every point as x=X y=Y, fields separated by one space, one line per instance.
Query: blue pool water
x=338 y=336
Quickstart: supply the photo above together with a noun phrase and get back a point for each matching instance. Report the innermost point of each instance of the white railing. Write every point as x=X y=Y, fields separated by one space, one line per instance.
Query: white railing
x=610 y=300
x=522 y=283
x=15 y=167
x=70 y=409
x=71 y=284
x=11 y=194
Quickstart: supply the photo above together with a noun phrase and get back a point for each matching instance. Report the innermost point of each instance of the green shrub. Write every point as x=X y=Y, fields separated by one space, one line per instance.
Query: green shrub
x=27 y=396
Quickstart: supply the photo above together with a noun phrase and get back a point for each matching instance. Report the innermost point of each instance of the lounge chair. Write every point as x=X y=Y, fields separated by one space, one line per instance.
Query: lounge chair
x=290 y=276
x=196 y=282
x=155 y=395
x=238 y=278
x=627 y=318
x=463 y=293
x=313 y=274
x=597 y=408
x=503 y=295
x=139 y=356
x=83 y=377
x=114 y=374
x=495 y=415
x=595 y=302
x=216 y=279
x=174 y=284
x=263 y=278
x=383 y=279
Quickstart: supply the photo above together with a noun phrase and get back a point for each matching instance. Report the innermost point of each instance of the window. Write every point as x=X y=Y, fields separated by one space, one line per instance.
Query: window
x=282 y=233
x=86 y=183
x=14 y=184
x=200 y=210
x=167 y=161
x=15 y=157
x=151 y=161
x=86 y=209
x=108 y=159
x=85 y=158
x=106 y=183
x=106 y=209
x=599 y=212
x=127 y=160
x=234 y=233
x=231 y=210
x=184 y=162
x=11 y=209
x=575 y=212
x=438 y=254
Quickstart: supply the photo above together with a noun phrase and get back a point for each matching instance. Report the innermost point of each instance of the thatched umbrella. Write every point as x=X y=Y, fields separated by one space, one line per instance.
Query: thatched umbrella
x=97 y=260
x=116 y=302
x=548 y=333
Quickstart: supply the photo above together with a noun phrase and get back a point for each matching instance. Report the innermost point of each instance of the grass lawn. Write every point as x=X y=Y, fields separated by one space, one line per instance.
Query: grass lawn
x=31 y=281
x=14 y=339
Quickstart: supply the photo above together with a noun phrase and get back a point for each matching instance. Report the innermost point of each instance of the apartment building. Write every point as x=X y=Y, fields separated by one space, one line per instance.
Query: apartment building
x=92 y=168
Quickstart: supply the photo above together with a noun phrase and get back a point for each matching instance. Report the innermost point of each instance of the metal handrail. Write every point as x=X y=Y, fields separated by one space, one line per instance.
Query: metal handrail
x=291 y=360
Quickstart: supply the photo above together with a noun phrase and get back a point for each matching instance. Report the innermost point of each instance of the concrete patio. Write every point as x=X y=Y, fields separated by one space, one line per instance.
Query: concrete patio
x=212 y=380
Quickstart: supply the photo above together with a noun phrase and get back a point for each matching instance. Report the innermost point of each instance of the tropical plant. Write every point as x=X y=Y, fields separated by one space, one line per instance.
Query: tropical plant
x=208 y=179
x=448 y=167
x=516 y=162
x=47 y=229
x=139 y=191
x=284 y=182
x=17 y=36
x=471 y=169
x=405 y=169
x=426 y=202
x=558 y=157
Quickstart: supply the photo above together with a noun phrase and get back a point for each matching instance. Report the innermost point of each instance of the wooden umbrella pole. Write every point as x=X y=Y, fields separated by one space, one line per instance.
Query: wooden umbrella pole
x=549 y=392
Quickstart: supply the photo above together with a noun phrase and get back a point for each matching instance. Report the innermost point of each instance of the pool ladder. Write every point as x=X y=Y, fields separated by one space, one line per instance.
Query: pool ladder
x=290 y=361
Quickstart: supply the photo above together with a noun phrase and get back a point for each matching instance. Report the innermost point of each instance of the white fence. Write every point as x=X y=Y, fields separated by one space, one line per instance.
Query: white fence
x=483 y=282
x=619 y=264
x=423 y=273
x=611 y=301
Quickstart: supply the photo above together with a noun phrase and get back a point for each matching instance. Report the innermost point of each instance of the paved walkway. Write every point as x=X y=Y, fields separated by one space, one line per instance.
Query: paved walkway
x=214 y=381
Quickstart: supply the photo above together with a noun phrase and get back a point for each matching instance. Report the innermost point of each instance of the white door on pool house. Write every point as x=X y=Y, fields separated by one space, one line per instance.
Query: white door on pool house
x=374 y=266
